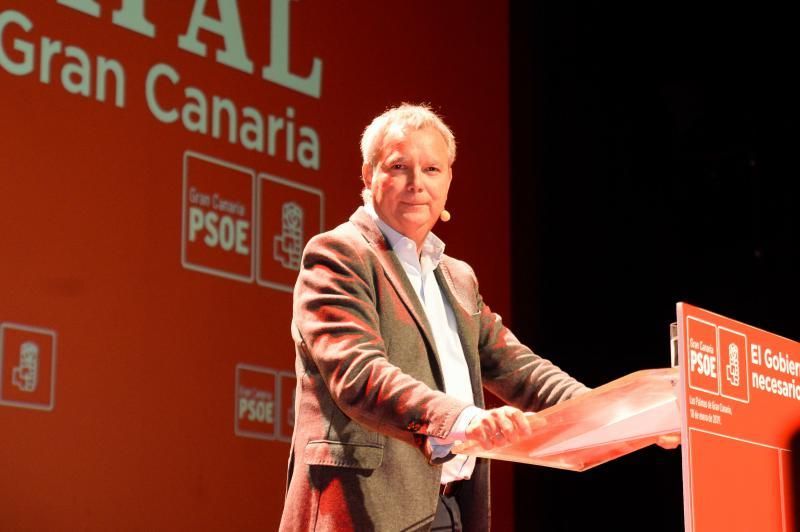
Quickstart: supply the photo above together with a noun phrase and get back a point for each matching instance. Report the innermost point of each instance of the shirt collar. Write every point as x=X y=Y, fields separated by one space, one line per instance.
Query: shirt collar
x=405 y=248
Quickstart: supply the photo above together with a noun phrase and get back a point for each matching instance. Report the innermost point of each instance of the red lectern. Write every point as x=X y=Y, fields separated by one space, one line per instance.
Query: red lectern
x=734 y=397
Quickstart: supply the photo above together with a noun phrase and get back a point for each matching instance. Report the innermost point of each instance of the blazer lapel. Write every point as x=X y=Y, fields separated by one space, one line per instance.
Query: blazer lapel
x=399 y=281
x=467 y=328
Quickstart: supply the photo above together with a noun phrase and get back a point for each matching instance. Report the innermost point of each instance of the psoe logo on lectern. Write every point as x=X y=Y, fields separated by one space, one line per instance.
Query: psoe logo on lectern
x=27 y=366
x=735 y=381
x=704 y=366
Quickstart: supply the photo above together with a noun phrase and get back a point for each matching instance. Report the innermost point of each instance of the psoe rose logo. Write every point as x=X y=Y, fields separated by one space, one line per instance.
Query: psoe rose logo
x=27 y=366
x=289 y=214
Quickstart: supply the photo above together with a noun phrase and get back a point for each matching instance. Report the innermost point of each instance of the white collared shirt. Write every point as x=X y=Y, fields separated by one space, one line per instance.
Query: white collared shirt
x=419 y=267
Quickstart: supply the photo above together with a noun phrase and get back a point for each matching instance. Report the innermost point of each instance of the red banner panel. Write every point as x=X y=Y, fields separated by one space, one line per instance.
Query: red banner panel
x=163 y=166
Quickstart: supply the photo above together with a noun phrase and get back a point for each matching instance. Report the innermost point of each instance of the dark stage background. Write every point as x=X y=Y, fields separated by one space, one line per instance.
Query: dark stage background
x=653 y=161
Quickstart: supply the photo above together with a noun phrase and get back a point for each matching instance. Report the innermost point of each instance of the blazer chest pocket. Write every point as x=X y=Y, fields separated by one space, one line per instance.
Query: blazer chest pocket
x=342 y=454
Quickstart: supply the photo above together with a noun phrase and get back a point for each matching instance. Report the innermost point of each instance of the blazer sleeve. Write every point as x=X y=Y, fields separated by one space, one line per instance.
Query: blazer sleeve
x=337 y=323
x=512 y=371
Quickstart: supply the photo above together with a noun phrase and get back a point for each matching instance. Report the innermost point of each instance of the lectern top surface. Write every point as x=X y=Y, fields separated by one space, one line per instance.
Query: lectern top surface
x=617 y=418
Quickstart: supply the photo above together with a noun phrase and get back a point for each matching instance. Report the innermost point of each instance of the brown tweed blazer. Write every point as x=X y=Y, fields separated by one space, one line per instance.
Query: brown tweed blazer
x=370 y=389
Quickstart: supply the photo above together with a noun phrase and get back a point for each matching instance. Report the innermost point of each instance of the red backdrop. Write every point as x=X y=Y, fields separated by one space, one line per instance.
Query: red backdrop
x=148 y=247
